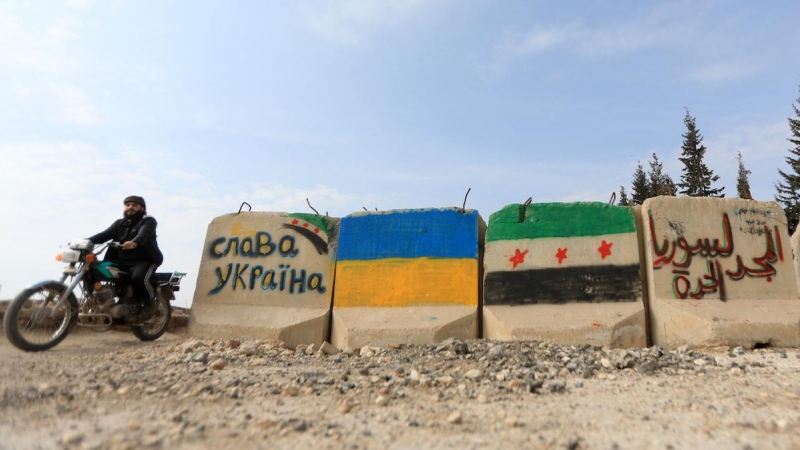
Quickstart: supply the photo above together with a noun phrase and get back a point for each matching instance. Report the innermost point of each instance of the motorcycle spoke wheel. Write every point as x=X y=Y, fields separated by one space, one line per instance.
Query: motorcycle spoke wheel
x=157 y=324
x=35 y=322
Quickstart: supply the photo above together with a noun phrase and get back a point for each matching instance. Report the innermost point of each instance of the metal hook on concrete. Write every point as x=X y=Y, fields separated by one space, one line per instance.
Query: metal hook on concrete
x=249 y=208
x=309 y=205
x=524 y=209
x=464 y=205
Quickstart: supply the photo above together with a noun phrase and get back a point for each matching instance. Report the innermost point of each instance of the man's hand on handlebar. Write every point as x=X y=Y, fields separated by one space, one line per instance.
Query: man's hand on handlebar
x=129 y=245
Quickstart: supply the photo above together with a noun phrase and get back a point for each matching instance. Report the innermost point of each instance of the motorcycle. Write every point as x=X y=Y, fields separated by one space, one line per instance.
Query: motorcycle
x=42 y=316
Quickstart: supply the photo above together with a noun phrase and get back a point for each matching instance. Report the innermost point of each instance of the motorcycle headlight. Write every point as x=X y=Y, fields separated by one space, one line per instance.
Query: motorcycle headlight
x=81 y=244
x=70 y=256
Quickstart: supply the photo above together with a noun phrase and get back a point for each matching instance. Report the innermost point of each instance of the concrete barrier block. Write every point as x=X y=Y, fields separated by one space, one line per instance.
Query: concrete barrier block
x=567 y=273
x=266 y=275
x=720 y=272
x=407 y=276
x=796 y=253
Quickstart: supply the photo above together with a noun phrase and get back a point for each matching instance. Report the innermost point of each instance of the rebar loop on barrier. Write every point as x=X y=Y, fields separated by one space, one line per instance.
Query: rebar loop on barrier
x=309 y=205
x=250 y=208
x=613 y=198
x=464 y=205
x=524 y=209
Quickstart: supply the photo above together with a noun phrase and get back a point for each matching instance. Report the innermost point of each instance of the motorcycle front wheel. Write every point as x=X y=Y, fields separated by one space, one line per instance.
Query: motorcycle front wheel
x=157 y=324
x=32 y=322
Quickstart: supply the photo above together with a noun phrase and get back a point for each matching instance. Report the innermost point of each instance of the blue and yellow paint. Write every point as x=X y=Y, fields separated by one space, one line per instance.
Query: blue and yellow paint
x=408 y=257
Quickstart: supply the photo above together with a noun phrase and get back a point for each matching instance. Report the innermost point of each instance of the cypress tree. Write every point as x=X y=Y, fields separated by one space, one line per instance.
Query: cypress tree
x=788 y=188
x=623 y=197
x=659 y=182
x=640 y=189
x=697 y=177
x=742 y=181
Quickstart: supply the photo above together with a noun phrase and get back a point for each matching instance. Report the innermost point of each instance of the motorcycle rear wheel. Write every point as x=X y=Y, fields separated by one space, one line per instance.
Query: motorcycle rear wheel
x=157 y=324
x=27 y=321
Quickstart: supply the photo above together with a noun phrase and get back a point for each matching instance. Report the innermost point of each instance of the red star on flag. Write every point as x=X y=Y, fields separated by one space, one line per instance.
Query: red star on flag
x=561 y=254
x=518 y=258
x=605 y=249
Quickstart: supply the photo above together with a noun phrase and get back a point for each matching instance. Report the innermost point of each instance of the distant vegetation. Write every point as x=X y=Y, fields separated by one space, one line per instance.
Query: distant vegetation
x=697 y=179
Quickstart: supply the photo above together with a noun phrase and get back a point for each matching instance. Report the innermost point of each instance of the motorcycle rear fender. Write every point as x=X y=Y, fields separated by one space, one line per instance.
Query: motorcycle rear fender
x=166 y=292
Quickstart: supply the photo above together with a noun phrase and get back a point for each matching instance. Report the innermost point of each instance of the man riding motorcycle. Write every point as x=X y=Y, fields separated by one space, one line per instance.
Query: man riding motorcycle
x=139 y=254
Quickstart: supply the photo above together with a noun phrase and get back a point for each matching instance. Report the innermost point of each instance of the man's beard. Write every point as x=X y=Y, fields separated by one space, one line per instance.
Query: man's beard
x=133 y=217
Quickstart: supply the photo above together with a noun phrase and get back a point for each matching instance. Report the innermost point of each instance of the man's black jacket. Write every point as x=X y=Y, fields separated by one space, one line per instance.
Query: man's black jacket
x=142 y=232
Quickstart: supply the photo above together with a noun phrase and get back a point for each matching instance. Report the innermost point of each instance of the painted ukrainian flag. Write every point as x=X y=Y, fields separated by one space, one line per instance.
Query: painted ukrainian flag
x=561 y=253
x=408 y=257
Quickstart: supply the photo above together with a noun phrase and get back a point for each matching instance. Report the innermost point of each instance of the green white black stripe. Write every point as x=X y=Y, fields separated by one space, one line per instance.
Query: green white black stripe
x=560 y=253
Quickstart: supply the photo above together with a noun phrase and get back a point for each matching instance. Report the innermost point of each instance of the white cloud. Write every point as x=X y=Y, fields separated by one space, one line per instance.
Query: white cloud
x=80 y=4
x=757 y=142
x=12 y=37
x=724 y=71
x=656 y=28
x=9 y=25
x=74 y=107
x=349 y=22
x=534 y=41
x=63 y=29
x=763 y=148
x=41 y=44
x=59 y=35
x=60 y=103
x=665 y=26
x=182 y=174
x=54 y=77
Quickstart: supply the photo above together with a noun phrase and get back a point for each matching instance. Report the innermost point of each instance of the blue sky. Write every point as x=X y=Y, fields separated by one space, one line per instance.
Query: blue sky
x=200 y=106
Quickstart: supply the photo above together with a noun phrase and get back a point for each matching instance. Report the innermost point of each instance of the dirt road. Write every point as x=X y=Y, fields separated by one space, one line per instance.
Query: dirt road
x=109 y=391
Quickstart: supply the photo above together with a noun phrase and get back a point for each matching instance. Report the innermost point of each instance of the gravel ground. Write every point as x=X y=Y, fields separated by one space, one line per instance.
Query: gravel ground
x=110 y=391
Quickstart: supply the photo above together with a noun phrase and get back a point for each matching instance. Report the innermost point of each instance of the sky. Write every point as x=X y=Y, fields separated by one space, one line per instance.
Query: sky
x=199 y=106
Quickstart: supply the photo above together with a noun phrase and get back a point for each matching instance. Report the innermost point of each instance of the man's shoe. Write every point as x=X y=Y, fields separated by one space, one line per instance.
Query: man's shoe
x=148 y=310
x=134 y=313
x=141 y=311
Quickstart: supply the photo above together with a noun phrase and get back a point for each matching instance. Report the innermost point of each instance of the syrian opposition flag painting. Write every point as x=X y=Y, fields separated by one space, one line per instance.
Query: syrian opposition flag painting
x=561 y=253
